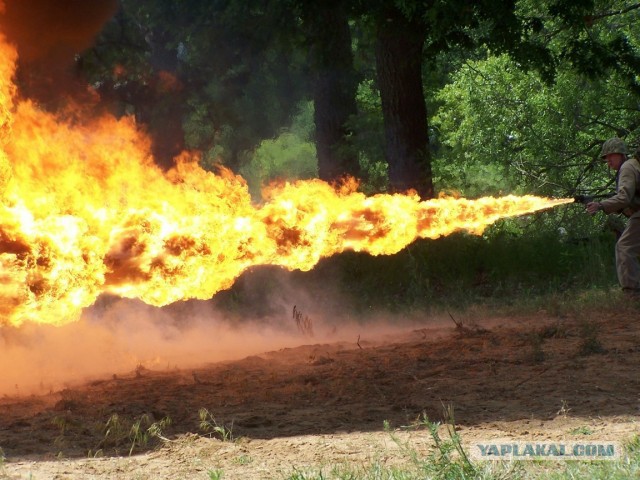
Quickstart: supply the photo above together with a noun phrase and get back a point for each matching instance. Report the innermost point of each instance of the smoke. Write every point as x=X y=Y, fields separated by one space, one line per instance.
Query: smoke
x=116 y=336
x=49 y=34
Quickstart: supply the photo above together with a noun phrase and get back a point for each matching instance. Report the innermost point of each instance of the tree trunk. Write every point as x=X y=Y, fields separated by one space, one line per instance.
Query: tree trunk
x=399 y=67
x=334 y=89
x=165 y=117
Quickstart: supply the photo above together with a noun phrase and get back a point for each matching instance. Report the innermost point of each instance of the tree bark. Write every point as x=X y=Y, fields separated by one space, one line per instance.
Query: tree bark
x=165 y=117
x=334 y=89
x=399 y=46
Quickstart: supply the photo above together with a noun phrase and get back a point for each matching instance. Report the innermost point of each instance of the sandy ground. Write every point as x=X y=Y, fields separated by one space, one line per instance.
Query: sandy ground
x=320 y=405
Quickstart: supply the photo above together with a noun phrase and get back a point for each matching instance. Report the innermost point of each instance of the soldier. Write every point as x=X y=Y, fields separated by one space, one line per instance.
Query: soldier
x=625 y=201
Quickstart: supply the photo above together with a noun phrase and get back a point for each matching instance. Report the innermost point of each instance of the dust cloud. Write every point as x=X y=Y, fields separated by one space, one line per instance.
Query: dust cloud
x=116 y=336
x=124 y=335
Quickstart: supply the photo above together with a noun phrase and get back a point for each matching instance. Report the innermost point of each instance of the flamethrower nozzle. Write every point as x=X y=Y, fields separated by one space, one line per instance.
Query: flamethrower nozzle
x=584 y=199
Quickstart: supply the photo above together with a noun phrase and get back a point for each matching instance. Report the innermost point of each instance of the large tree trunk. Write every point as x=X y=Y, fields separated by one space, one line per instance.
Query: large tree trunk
x=399 y=67
x=165 y=116
x=334 y=89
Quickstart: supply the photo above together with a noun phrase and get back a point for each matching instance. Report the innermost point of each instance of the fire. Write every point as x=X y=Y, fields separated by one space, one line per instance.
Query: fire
x=84 y=211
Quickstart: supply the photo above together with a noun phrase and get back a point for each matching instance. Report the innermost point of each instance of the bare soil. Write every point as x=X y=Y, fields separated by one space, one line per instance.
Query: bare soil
x=318 y=405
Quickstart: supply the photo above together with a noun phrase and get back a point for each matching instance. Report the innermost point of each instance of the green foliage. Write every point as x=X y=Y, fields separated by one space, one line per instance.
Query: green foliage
x=589 y=341
x=243 y=459
x=448 y=469
x=503 y=128
x=525 y=263
x=462 y=269
x=243 y=68
x=290 y=156
x=368 y=139
x=238 y=68
x=215 y=474
x=210 y=425
x=594 y=38
x=448 y=460
x=442 y=463
x=582 y=430
x=136 y=433
x=285 y=158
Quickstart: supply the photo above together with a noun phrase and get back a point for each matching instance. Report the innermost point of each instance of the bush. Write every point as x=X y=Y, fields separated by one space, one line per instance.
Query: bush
x=451 y=272
x=290 y=156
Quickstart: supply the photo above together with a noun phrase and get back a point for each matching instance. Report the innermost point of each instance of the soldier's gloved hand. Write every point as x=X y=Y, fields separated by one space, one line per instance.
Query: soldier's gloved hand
x=593 y=207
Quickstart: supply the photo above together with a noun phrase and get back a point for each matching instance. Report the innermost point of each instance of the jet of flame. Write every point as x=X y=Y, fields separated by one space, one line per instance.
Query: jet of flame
x=84 y=211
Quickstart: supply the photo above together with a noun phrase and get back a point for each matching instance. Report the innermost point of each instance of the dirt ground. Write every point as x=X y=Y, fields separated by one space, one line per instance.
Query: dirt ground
x=318 y=405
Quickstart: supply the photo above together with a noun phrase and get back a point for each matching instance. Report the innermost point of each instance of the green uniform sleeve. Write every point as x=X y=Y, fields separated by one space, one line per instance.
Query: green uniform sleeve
x=626 y=190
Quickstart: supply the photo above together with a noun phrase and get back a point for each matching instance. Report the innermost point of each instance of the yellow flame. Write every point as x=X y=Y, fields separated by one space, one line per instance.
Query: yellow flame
x=84 y=211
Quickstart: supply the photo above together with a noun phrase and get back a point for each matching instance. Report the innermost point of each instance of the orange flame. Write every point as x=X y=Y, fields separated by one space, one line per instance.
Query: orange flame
x=85 y=211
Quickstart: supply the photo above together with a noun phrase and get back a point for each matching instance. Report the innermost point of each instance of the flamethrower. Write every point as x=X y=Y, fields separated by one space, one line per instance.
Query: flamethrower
x=585 y=199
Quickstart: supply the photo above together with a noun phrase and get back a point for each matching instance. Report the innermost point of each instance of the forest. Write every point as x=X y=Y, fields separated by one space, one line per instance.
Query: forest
x=436 y=96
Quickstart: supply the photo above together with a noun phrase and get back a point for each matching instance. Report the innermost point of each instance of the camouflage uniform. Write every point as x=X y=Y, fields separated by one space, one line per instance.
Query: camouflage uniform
x=627 y=201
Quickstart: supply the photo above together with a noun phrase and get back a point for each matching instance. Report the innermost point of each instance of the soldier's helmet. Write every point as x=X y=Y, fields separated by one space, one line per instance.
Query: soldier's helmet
x=613 y=145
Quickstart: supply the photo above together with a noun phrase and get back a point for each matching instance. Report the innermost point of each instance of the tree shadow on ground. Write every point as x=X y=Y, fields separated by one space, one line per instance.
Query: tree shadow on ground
x=504 y=371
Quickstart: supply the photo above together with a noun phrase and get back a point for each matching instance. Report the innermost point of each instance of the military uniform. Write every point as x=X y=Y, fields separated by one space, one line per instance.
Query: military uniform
x=627 y=201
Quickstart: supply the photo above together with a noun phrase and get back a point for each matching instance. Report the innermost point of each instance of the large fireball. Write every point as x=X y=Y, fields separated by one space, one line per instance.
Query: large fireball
x=84 y=210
